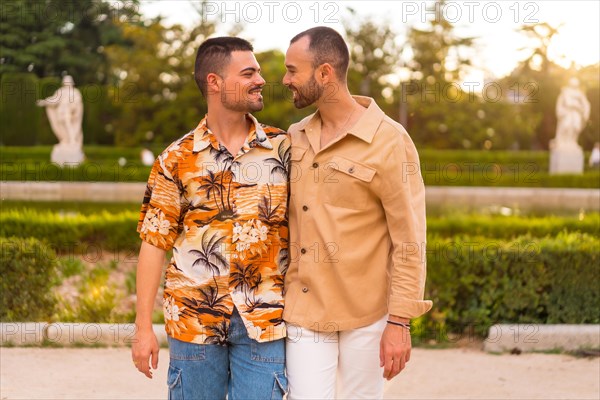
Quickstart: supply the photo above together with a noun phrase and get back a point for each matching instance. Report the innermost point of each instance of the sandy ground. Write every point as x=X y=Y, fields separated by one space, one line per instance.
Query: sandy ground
x=43 y=373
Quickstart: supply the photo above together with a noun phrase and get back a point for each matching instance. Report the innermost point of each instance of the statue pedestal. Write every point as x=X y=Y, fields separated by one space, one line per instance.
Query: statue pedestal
x=67 y=155
x=566 y=159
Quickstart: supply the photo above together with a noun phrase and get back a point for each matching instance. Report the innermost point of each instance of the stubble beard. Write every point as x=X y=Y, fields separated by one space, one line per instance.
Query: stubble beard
x=308 y=93
x=245 y=105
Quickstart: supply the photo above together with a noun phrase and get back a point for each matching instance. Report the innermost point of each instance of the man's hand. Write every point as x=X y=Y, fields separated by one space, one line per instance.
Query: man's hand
x=395 y=346
x=149 y=272
x=145 y=350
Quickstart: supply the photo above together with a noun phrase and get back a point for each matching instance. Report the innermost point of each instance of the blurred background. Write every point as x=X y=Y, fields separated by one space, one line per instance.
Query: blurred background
x=481 y=76
x=474 y=83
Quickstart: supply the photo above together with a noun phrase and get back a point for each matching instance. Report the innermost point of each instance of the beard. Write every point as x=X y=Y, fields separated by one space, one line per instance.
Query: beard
x=248 y=103
x=307 y=94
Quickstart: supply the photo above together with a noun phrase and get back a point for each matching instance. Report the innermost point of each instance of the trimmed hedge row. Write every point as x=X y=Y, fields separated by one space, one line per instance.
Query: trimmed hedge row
x=477 y=282
x=65 y=232
x=94 y=153
x=27 y=274
x=509 y=227
x=588 y=180
x=117 y=230
x=440 y=175
x=439 y=168
x=478 y=157
x=24 y=124
x=473 y=281
x=470 y=157
x=88 y=171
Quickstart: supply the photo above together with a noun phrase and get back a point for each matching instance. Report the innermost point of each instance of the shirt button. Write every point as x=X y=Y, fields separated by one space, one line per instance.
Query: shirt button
x=305 y=208
x=315 y=165
x=351 y=169
x=303 y=251
x=305 y=289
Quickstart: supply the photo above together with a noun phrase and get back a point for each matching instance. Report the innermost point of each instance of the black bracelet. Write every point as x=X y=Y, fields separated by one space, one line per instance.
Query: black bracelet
x=402 y=324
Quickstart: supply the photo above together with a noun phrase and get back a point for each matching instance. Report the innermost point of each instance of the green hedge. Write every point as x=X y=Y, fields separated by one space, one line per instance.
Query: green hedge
x=65 y=232
x=19 y=114
x=510 y=178
x=134 y=171
x=26 y=124
x=509 y=227
x=481 y=269
x=89 y=171
x=477 y=158
x=93 y=153
x=27 y=274
x=115 y=230
x=476 y=282
x=70 y=207
x=439 y=168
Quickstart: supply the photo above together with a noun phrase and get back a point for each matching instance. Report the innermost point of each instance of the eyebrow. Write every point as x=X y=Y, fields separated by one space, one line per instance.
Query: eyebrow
x=249 y=69
x=290 y=66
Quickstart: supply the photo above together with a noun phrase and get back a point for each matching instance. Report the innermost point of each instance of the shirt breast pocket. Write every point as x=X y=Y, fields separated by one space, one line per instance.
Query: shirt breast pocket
x=347 y=183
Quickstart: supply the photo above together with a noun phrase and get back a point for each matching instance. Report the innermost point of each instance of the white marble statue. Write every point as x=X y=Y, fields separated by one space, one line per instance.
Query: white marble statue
x=65 y=113
x=572 y=113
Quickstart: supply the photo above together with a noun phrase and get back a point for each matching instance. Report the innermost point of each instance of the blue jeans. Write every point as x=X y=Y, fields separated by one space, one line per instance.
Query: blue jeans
x=244 y=369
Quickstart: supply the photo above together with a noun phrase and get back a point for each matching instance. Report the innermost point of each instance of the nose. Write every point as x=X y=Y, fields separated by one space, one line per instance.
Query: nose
x=261 y=81
x=286 y=79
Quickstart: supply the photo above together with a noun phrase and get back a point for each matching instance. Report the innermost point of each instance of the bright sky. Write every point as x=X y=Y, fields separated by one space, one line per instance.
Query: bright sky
x=271 y=24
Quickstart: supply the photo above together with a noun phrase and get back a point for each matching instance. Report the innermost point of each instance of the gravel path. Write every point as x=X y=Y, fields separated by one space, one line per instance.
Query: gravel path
x=68 y=373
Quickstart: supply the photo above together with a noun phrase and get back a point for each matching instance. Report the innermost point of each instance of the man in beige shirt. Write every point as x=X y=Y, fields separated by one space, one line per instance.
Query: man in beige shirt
x=357 y=231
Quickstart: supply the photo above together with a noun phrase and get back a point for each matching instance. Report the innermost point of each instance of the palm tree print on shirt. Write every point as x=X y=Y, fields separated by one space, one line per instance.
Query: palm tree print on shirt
x=209 y=256
x=282 y=161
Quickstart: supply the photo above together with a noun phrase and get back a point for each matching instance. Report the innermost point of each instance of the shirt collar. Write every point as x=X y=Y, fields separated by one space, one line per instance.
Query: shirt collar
x=365 y=128
x=203 y=137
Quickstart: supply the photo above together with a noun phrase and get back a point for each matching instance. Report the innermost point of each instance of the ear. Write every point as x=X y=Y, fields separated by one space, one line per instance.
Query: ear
x=213 y=83
x=325 y=73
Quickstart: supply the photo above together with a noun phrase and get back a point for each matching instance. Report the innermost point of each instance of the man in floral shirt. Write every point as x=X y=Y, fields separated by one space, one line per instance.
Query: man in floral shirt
x=217 y=198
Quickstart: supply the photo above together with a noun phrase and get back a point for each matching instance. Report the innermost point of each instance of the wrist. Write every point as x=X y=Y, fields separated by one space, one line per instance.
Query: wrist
x=143 y=326
x=399 y=324
x=395 y=318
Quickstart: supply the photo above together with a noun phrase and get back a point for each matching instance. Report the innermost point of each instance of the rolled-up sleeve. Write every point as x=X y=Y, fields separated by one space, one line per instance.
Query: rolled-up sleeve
x=160 y=216
x=403 y=199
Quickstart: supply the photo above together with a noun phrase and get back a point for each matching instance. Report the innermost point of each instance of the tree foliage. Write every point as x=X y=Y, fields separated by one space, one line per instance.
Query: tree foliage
x=439 y=55
x=374 y=54
x=136 y=77
x=53 y=37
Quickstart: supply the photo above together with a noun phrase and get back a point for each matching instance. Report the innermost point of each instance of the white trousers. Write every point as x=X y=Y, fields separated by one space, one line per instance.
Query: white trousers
x=335 y=365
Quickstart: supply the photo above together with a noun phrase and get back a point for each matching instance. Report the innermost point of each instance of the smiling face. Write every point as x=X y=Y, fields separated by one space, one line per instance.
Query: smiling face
x=300 y=75
x=241 y=84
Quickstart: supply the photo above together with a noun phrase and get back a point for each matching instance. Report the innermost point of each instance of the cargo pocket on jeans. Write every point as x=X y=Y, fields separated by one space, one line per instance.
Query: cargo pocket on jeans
x=280 y=386
x=174 y=383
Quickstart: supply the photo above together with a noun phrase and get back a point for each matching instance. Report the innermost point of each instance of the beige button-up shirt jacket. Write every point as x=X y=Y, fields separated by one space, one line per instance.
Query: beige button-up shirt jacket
x=357 y=225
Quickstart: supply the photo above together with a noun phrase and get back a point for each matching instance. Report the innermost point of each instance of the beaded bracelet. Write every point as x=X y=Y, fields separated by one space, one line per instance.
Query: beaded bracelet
x=402 y=324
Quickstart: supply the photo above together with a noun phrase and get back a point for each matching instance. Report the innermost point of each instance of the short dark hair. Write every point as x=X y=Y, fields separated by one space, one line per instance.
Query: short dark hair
x=327 y=46
x=214 y=55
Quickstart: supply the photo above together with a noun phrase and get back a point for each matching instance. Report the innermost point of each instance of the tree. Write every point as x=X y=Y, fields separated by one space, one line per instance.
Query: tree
x=53 y=37
x=373 y=54
x=439 y=55
x=154 y=87
x=538 y=68
x=590 y=77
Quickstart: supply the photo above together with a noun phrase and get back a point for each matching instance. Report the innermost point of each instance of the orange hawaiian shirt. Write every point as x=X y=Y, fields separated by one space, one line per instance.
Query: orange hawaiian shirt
x=226 y=219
